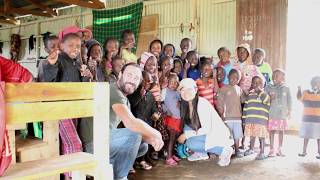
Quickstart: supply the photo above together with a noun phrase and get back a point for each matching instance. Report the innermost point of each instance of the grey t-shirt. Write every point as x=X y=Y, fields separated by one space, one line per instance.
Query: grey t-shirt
x=116 y=97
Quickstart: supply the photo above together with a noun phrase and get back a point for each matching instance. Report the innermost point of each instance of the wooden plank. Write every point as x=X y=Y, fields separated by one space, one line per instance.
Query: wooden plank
x=43 y=168
x=148 y=32
x=16 y=126
x=45 y=111
x=101 y=130
x=28 y=143
x=253 y=16
x=32 y=92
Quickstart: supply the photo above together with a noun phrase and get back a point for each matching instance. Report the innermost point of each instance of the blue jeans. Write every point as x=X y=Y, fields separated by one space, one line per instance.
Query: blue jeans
x=197 y=144
x=125 y=147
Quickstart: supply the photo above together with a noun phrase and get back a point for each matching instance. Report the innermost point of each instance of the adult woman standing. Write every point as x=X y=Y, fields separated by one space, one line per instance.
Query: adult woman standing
x=204 y=131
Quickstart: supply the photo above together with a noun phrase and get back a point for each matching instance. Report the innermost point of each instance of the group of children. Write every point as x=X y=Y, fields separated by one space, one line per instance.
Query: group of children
x=252 y=100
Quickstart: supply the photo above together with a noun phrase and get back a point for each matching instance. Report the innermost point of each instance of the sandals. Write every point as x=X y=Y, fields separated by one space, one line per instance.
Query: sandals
x=176 y=158
x=271 y=153
x=261 y=157
x=279 y=153
x=145 y=166
x=248 y=152
x=302 y=154
x=154 y=155
x=171 y=162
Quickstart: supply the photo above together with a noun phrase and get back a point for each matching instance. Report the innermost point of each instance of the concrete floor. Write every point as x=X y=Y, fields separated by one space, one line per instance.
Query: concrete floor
x=290 y=167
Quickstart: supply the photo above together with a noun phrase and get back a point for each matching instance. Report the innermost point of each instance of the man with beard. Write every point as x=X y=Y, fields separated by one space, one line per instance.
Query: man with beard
x=126 y=143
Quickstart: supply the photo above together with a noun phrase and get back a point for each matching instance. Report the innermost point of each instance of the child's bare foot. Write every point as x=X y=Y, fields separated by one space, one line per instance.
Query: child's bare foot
x=176 y=158
x=171 y=162
x=271 y=153
x=279 y=153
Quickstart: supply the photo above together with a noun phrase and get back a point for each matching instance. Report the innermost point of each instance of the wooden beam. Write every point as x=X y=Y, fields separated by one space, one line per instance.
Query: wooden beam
x=48 y=111
x=43 y=7
x=6 y=6
x=35 y=92
x=51 y=166
x=32 y=6
x=22 y=11
x=8 y=21
x=94 y=4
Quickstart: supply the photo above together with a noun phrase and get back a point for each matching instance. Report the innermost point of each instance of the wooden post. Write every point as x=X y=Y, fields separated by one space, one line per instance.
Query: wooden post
x=101 y=131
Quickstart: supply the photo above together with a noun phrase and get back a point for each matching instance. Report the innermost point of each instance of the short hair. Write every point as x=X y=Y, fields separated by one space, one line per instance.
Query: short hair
x=109 y=40
x=233 y=71
x=205 y=63
x=49 y=38
x=314 y=80
x=279 y=71
x=260 y=50
x=223 y=49
x=70 y=36
x=173 y=75
x=115 y=58
x=125 y=33
x=105 y=45
x=129 y=64
x=186 y=39
x=156 y=41
x=177 y=60
x=257 y=77
x=190 y=53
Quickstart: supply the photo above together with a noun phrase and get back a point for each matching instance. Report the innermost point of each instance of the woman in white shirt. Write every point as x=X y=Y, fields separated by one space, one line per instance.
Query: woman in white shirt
x=204 y=131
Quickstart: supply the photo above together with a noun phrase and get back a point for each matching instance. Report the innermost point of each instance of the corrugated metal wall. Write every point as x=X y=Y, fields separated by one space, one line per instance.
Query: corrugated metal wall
x=175 y=20
x=217 y=25
x=209 y=23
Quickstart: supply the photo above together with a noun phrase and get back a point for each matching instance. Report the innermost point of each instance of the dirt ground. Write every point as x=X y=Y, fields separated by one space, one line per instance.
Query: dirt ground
x=290 y=167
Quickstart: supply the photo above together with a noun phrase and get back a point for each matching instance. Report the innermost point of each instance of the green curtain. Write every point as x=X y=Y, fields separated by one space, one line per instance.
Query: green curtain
x=110 y=23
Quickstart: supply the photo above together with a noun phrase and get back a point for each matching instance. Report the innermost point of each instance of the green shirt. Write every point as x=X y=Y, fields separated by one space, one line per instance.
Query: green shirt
x=266 y=71
x=116 y=97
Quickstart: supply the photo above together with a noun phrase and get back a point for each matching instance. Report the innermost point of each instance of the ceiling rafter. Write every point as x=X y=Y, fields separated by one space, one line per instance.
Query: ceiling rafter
x=94 y=4
x=43 y=7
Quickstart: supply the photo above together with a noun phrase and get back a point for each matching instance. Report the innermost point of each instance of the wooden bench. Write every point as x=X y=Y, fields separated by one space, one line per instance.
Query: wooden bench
x=29 y=102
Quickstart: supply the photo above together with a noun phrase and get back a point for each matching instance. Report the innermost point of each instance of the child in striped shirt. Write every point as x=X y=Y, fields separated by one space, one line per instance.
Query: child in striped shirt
x=256 y=116
x=310 y=126
x=207 y=86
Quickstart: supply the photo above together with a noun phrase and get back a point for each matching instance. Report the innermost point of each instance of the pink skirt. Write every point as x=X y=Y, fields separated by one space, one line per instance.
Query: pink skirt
x=277 y=124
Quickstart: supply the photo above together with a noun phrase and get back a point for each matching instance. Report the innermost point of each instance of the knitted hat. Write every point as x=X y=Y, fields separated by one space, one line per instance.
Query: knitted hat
x=144 y=57
x=90 y=44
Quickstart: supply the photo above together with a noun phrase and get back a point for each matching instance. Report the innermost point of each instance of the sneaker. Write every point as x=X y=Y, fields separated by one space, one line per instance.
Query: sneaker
x=239 y=154
x=198 y=156
x=248 y=152
x=224 y=158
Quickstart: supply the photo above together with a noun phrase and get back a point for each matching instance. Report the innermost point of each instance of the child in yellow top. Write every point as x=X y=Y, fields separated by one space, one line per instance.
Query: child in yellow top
x=128 y=43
